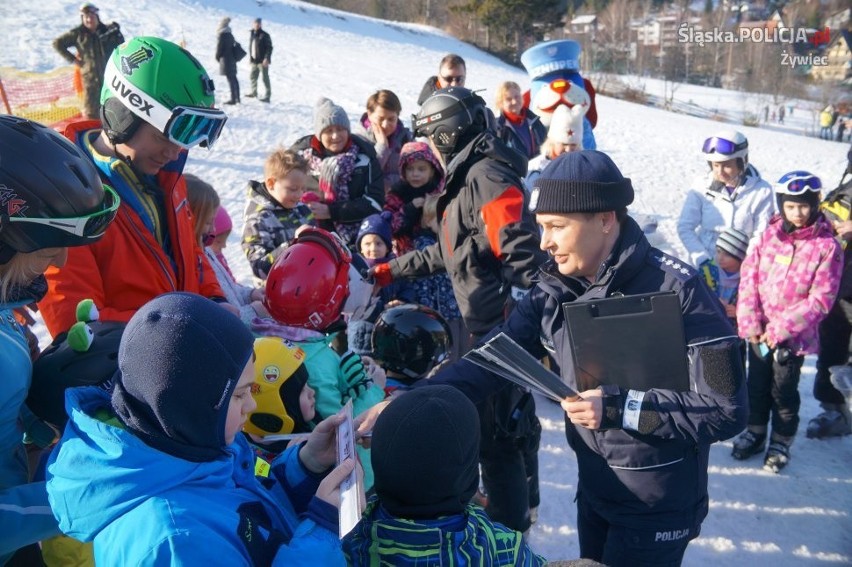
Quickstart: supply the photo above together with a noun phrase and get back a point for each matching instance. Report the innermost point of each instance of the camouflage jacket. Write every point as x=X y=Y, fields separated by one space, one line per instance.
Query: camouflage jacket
x=269 y=228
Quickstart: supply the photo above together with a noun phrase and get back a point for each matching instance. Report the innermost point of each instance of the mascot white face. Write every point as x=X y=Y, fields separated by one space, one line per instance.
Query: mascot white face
x=556 y=93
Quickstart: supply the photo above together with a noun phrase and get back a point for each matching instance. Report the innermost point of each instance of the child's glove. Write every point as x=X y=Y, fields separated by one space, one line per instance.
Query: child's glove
x=354 y=376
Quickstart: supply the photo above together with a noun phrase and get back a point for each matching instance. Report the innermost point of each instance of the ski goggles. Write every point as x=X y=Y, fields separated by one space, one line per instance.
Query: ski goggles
x=798 y=182
x=186 y=126
x=722 y=146
x=87 y=228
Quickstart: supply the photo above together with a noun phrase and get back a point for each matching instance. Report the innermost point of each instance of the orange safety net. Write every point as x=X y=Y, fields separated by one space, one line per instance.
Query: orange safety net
x=51 y=98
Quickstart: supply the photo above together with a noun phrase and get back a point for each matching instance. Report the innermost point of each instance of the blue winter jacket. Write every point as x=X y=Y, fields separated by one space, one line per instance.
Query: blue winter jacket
x=654 y=475
x=24 y=513
x=145 y=507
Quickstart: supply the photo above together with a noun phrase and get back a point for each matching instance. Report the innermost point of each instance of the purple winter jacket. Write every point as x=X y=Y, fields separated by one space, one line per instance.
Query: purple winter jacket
x=788 y=284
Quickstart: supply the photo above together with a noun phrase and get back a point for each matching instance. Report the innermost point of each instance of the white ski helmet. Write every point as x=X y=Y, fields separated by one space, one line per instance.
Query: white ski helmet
x=725 y=145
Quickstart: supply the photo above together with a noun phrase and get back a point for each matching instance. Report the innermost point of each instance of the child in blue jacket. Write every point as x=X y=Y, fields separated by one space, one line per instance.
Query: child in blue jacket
x=175 y=482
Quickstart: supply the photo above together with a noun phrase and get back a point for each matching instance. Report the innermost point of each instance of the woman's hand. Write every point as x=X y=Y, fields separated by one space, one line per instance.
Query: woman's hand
x=379 y=134
x=585 y=411
x=257 y=294
x=366 y=420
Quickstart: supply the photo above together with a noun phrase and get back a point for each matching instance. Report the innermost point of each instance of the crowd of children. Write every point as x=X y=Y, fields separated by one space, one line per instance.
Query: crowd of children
x=225 y=406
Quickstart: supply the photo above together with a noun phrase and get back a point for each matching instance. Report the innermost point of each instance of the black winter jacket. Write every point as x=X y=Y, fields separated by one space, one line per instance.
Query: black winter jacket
x=429 y=87
x=488 y=242
x=656 y=476
x=264 y=46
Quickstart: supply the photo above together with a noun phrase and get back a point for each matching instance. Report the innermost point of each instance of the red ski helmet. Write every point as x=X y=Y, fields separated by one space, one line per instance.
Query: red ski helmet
x=309 y=282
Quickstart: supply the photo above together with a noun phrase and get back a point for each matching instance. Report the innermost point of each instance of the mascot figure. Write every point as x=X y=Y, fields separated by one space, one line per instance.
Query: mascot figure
x=553 y=67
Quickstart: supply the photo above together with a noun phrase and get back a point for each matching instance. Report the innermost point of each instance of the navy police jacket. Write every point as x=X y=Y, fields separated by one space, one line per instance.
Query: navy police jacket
x=654 y=473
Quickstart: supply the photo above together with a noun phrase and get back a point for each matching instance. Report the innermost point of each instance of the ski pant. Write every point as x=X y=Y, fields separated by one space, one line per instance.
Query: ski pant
x=509 y=463
x=834 y=334
x=773 y=388
x=263 y=71
x=619 y=545
x=504 y=473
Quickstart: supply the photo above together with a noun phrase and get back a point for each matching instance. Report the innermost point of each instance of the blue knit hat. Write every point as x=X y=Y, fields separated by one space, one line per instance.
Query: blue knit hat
x=379 y=224
x=581 y=182
x=180 y=358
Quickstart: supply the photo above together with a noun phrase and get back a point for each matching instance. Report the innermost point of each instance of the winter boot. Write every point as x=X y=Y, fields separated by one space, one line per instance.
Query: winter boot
x=841 y=378
x=778 y=454
x=835 y=421
x=748 y=444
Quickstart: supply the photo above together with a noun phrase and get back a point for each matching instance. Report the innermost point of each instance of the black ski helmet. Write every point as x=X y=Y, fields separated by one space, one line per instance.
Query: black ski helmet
x=411 y=339
x=60 y=367
x=50 y=192
x=451 y=117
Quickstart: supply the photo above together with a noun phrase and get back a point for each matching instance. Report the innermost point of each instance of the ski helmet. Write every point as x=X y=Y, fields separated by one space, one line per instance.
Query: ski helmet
x=279 y=376
x=411 y=339
x=800 y=187
x=725 y=145
x=308 y=284
x=156 y=81
x=50 y=193
x=60 y=367
x=451 y=117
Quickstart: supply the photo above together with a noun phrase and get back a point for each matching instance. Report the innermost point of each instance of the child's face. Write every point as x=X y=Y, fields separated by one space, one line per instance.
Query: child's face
x=288 y=190
x=334 y=138
x=220 y=242
x=307 y=403
x=797 y=213
x=418 y=173
x=241 y=405
x=726 y=172
x=727 y=262
x=373 y=247
x=513 y=102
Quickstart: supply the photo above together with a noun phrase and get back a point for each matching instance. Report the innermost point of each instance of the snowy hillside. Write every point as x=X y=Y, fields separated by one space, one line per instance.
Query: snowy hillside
x=801 y=517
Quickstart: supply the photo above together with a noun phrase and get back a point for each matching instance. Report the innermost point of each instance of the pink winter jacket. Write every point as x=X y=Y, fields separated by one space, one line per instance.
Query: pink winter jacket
x=788 y=283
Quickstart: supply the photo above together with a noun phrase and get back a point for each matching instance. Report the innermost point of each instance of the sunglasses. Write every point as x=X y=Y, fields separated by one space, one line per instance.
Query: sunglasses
x=797 y=182
x=91 y=226
x=453 y=79
x=722 y=146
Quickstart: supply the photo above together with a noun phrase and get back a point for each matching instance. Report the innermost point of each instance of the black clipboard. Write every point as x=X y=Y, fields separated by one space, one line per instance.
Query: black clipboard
x=635 y=341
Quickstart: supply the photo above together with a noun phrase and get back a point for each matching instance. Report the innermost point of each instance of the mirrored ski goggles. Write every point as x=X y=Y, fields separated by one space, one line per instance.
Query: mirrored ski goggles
x=722 y=146
x=89 y=226
x=190 y=126
x=797 y=182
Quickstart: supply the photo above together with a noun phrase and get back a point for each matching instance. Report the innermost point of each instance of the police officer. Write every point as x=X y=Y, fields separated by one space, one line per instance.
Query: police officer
x=642 y=455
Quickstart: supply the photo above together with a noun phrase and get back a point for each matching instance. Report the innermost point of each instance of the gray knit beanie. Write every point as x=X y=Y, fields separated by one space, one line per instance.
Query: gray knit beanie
x=581 y=182
x=734 y=242
x=326 y=114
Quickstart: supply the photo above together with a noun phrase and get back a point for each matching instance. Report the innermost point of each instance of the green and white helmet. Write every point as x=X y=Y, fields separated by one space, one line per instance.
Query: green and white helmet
x=154 y=80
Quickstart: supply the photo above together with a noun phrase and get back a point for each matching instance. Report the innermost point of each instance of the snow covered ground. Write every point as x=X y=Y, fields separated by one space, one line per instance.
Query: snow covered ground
x=801 y=517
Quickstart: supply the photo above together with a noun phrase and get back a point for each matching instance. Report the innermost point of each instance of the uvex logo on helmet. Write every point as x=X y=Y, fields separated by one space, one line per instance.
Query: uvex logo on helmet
x=130 y=95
